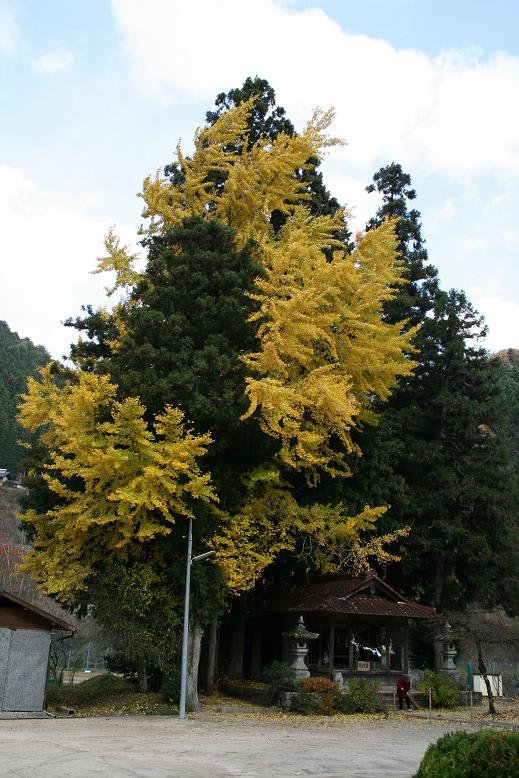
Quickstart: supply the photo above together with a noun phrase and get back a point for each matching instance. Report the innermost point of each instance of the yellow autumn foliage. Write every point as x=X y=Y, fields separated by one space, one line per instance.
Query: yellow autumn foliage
x=120 y=485
x=325 y=351
x=324 y=354
x=272 y=521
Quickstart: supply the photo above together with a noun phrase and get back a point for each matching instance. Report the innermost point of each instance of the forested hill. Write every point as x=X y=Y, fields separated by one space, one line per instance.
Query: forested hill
x=19 y=358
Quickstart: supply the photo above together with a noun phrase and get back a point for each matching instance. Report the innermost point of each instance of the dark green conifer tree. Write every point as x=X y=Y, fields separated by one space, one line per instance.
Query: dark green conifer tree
x=19 y=358
x=437 y=455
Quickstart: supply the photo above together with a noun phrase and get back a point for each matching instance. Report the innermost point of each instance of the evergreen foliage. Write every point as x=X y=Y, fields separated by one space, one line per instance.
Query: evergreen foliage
x=439 y=455
x=19 y=358
x=134 y=606
x=416 y=296
x=486 y=754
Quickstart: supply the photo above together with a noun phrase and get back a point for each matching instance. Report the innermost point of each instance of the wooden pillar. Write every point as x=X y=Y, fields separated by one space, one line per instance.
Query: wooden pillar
x=332 y=647
x=350 y=650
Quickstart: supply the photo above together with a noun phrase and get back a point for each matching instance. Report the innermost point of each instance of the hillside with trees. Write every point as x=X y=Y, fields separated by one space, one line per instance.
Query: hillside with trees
x=19 y=358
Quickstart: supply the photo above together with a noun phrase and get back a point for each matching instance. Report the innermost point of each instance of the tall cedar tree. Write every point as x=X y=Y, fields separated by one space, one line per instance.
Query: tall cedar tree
x=438 y=456
x=186 y=328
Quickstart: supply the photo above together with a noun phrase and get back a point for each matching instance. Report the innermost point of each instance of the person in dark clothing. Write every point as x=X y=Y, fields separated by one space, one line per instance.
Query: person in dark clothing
x=403 y=685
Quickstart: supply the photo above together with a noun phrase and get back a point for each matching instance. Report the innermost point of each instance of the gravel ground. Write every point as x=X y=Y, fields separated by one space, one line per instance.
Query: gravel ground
x=215 y=745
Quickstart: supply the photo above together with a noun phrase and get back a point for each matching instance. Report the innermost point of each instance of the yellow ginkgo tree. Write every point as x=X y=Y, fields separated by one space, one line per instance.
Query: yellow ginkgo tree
x=297 y=354
x=323 y=356
x=120 y=485
x=324 y=352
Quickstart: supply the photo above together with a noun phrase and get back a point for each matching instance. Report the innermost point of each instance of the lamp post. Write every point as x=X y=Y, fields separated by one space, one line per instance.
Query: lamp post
x=185 y=634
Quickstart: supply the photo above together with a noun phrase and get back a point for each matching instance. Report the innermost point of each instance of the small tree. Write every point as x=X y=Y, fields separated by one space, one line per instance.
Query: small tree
x=139 y=617
x=485 y=632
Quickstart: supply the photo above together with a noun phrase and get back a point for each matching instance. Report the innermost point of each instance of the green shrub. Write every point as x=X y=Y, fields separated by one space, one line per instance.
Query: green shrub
x=304 y=702
x=445 y=692
x=486 y=754
x=280 y=677
x=360 y=697
x=100 y=688
x=170 y=689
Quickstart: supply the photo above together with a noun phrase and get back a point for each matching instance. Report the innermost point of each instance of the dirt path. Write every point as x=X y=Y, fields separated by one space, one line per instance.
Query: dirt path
x=214 y=745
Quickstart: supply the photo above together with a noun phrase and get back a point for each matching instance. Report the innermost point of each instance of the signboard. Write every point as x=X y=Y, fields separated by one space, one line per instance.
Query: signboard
x=363 y=667
x=496 y=684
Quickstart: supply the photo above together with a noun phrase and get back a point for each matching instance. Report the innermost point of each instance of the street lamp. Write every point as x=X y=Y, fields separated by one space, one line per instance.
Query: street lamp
x=185 y=634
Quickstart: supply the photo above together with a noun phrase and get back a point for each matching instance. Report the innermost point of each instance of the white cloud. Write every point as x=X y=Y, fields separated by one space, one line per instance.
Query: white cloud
x=502 y=318
x=455 y=114
x=48 y=248
x=10 y=36
x=54 y=61
x=442 y=214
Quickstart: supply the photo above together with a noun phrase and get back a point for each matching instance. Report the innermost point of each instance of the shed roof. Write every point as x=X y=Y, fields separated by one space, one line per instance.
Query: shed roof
x=54 y=621
x=367 y=596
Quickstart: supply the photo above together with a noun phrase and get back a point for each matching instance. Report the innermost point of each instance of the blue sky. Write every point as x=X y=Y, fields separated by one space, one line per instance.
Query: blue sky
x=96 y=94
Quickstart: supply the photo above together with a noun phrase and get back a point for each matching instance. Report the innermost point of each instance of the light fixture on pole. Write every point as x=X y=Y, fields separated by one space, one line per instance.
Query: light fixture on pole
x=185 y=634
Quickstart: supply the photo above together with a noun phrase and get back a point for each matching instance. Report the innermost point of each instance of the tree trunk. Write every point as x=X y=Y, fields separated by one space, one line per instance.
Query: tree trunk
x=142 y=675
x=196 y=632
x=483 y=672
x=235 y=668
x=211 y=658
x=256 y=653
x=437 y=598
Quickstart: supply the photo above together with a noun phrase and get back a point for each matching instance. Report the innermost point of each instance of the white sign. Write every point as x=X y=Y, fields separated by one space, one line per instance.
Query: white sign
x=496 y=684
x=363 y=667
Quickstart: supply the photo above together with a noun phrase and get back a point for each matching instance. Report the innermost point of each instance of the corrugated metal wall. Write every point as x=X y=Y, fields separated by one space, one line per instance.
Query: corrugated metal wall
x=24 y=655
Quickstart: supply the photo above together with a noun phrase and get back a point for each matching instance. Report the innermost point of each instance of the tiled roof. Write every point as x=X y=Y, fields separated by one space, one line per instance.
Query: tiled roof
x=352 y=596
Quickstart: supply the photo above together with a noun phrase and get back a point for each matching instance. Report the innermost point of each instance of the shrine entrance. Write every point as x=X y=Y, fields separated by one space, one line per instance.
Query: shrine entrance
x=356 y=647
x=362 y=623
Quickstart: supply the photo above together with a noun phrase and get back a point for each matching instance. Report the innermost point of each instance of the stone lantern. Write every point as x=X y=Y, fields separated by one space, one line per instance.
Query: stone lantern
x=300 y=636
x=449 y=652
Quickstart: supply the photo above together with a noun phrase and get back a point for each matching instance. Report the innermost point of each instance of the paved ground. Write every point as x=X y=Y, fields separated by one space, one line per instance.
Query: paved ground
x=213 y=747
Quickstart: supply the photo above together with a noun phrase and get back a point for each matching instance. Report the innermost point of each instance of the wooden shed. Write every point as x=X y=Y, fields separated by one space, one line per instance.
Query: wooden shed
x=25 y=635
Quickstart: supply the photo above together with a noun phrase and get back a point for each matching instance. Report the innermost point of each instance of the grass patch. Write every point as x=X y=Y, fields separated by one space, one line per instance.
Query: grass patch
x=108 y=695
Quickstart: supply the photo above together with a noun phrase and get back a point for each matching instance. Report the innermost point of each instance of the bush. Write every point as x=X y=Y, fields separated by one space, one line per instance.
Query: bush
x=318 y=685
x=360 y=697
x=320 y=695
x=280 y=677
x=100 y=688
x=170 y=689
x=117 y=663
x=488 y=754
x=303 y=702
x=315 y=695
x=445 y=692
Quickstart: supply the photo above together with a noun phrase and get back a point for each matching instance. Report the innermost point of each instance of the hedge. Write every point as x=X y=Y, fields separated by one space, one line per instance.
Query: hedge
x=485 y=754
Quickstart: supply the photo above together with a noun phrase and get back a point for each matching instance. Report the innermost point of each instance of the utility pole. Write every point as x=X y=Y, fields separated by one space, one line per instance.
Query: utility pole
x=185 y=634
